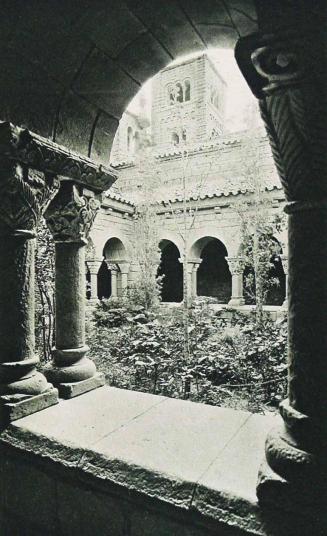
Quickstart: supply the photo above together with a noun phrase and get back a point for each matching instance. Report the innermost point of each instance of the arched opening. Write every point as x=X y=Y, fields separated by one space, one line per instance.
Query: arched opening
x=187 y=90
x=179 y=92
x=172 y=270
x=104 y=281
x=129 y=140
x=175 y=138
x=275 y=286
x=109 y=275
x=276 y=292
x=213 y=278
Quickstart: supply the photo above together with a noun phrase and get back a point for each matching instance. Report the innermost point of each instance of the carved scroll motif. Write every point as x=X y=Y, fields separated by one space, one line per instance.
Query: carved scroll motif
x=287 y=80
x=70 y=216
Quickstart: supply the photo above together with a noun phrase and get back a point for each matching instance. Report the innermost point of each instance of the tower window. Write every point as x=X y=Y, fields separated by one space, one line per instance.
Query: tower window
x=129 y=139
x=175 y=138
x=179 y=92
x=214 y=97
x=184 y=134
x=187 y=90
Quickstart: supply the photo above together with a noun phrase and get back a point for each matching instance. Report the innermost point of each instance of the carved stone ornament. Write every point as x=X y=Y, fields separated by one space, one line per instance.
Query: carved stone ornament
x=23 y=146
x=24 y=195
x=285 y=73
x=70 y=215
x=236 y=265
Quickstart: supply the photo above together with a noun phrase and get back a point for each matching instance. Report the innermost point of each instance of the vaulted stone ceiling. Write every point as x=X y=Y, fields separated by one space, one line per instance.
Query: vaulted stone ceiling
x=70 y=67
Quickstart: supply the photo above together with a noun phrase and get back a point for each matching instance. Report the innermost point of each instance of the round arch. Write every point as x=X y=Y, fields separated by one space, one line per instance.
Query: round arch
x=109 y=276
x=276 y=293
x=77 y=98
x=230 y=237
x=213 y=275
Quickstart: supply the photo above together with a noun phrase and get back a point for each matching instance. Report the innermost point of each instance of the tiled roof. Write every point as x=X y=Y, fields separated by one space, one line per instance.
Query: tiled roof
x=219 y=193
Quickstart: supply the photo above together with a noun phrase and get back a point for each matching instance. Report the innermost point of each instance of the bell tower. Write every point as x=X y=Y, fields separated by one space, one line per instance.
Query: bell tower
x=188 y=104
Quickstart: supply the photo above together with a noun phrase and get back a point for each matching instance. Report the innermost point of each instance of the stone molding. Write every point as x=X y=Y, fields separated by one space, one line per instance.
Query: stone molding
x=279 y=70
x=70 y=216
x=23 y=146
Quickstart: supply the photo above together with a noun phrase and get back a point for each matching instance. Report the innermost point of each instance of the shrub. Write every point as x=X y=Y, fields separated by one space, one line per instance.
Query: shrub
x=233 y=363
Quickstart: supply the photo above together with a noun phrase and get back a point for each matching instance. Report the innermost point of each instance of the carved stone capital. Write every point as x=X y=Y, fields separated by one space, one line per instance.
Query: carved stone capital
x=94 y=265
x=70 y=215
x=21 y=145
x=287 y=73
x=24 y=196
x=236 y=265
x=113 y=267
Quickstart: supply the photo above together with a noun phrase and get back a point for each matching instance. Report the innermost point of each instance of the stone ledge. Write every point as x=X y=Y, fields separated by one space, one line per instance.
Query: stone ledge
x=200 y=461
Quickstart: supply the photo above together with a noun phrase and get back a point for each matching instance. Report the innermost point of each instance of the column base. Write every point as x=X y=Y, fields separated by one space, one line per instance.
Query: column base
x=18 y=406
x=306 y=502
x=70 y=390
x=236 y=302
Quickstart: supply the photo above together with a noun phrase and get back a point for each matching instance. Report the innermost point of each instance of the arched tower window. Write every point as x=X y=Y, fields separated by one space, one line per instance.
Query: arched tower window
x=187 y=90
x=175 y=138
x=129 y=139
x=171 y=95
x=179 y=92
x=184 y=135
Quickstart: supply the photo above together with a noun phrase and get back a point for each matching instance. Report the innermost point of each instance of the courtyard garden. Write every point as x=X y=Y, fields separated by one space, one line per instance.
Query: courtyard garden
x=230 y=361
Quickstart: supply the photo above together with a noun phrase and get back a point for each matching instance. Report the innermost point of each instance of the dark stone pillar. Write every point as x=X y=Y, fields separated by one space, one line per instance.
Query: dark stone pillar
x=70 y=217
x=287 y=72
x=24 y=195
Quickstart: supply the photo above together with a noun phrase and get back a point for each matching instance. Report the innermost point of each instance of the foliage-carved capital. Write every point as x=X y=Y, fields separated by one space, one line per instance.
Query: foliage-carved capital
x=287 y=73
x=236 y=265
x=27 y=148
x=70 y=215
x=25 y=195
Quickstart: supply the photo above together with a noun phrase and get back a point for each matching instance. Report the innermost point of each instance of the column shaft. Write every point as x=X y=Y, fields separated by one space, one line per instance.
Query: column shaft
x=307 y=319
x=114 y=282
x=70 y=295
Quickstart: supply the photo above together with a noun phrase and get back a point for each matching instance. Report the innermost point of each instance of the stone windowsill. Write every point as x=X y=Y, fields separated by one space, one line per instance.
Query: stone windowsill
x=194 y=457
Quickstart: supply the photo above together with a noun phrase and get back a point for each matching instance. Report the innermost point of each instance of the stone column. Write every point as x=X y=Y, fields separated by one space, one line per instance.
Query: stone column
x=114 y=278
x=236 y=268
x=94 y=267
x=69 y=218
x=24 y=195
x=124 y=271
x=284 y=259
x=194 y=277
x=288 y=74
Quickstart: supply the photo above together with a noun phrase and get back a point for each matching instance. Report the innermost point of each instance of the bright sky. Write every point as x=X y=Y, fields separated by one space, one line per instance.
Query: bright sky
x=239 y=96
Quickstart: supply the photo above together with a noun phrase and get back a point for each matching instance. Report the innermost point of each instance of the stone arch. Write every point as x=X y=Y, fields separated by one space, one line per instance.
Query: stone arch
x=213 y=275
x=276 y=294
x=112 y=275
x=78 y=97
x=172 y=271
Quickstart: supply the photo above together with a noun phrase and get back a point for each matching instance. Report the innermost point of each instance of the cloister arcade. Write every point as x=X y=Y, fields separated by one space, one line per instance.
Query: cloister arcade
x=69 y=70
x=211 y=272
